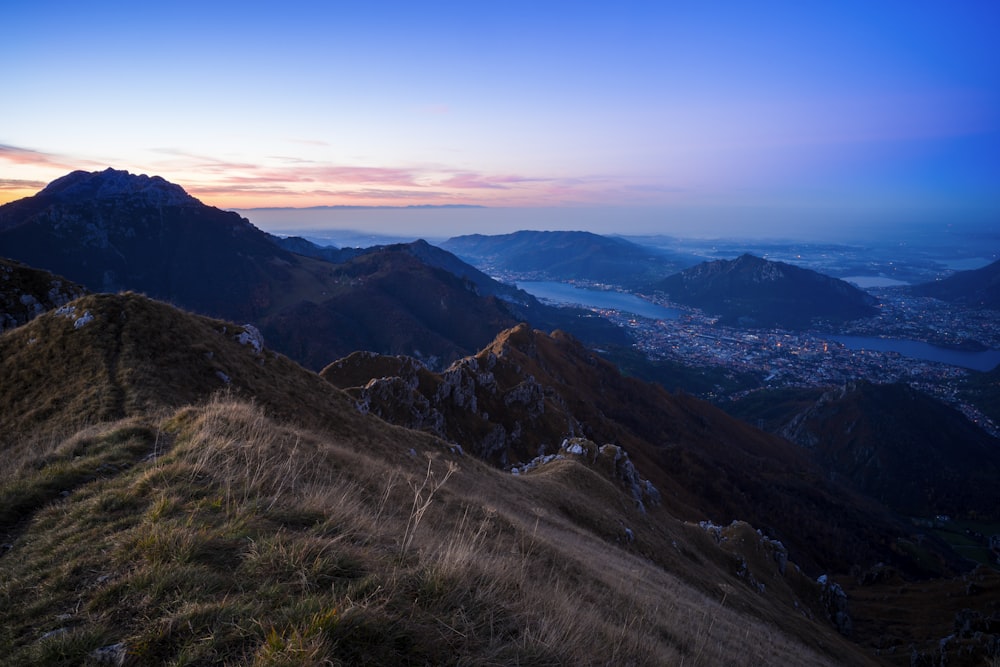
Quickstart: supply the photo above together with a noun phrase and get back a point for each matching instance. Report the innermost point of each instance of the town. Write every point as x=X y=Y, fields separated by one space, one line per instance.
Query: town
x=814 y=358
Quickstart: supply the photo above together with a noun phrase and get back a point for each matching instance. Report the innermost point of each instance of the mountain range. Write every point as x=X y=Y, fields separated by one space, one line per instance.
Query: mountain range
x=755 y=292
x=111 y=231
x=569 y=255
x=176 y=489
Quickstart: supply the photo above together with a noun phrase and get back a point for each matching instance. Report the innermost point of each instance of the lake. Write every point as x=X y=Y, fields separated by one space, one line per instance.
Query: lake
x=594 y=298
x=978 y=361
x=874 y=281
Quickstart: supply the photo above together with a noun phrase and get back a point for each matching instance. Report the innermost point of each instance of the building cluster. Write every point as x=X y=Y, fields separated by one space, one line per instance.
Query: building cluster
x=811 y=359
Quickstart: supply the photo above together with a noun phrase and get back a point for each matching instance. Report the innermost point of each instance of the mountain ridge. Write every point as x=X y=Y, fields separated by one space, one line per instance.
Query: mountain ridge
x=114 y=231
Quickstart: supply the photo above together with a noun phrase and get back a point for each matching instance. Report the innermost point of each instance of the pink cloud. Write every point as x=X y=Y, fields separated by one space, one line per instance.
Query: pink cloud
x=479 y=181
x=19 y=184
x=29 y=157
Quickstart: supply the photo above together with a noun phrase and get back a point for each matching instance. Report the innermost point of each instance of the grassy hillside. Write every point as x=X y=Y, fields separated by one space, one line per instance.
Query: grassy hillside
x=155 y=514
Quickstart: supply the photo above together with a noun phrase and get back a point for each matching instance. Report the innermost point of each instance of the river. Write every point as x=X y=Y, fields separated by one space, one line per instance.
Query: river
x=593 y=298
x=977 y=361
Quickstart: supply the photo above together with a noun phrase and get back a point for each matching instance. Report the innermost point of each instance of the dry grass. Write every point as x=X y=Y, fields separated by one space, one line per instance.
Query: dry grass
x=245 y=541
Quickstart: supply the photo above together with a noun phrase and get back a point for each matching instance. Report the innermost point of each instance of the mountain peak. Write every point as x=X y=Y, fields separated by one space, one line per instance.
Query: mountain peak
x=112 y=184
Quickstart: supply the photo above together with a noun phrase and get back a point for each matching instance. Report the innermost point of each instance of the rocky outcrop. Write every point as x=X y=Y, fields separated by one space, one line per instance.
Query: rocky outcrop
x=26 y=293
x=834 y=600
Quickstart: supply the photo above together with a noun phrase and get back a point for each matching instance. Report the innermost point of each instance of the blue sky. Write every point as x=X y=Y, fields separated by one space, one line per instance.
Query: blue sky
x=630 y=117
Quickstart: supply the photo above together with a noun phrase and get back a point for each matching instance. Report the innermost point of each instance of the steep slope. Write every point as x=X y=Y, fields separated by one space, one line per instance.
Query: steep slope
x=983 y=390
x=105 y=357
x=527 y=392
x=389 y=301
x=910 y=451
x=567 y=256
x=26 y=292
x=276 y=524
x=750 y=291
x=978 y=287
x=416 y=299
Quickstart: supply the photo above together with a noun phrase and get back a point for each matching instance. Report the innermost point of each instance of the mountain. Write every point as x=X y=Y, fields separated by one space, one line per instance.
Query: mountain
x=527 y=392
x=750 y=291
x=519 y=304
x=389 y=301
x=146 y=517
x=26 y=293
x=978 y=287
x=567 y=256
x=913 y=453
x=112 y=231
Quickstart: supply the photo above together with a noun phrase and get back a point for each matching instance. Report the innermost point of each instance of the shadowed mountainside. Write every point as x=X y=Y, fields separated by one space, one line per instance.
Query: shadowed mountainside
x=913 y=453
x=750 y=291
x=978 y=287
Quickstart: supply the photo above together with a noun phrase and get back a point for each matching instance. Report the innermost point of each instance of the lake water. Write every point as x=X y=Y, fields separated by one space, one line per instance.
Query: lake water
x=874 y=281
x=595 y=298
x=979 y=361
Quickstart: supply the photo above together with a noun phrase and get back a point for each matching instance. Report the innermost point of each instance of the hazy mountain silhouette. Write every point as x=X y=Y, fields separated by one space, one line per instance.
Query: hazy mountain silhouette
x=570 y=255
x=978 y=287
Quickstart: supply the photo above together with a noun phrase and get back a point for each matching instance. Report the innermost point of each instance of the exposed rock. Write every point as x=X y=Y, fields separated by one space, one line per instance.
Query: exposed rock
x=26 y=293
x=251 y=336
x=834 y=601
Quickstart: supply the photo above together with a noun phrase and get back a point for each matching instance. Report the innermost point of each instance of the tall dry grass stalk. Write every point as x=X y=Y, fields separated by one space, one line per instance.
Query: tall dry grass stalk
x=423 y=494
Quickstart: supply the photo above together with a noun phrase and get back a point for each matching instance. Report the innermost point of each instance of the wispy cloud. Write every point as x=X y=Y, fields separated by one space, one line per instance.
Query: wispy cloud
x=32 y=158
x=283 y=180
x=487 y=182
x=20 y=184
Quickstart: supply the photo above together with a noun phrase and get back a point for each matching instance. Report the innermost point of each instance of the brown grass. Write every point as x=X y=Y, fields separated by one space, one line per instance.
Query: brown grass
x=250 y=541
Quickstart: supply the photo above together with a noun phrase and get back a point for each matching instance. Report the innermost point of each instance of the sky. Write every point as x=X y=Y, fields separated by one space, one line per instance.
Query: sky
x=740 y=118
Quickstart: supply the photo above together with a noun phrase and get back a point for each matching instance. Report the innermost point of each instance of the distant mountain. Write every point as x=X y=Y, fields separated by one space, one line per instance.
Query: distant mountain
x=908 y=450
x=114 y=231
x=751 y=291
x=978 y=287
x=567 y=256
x=26 y=292
x=388 y=301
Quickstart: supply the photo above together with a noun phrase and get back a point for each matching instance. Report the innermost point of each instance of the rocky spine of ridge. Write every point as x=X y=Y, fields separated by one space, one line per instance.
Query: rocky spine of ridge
x=528 y=392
